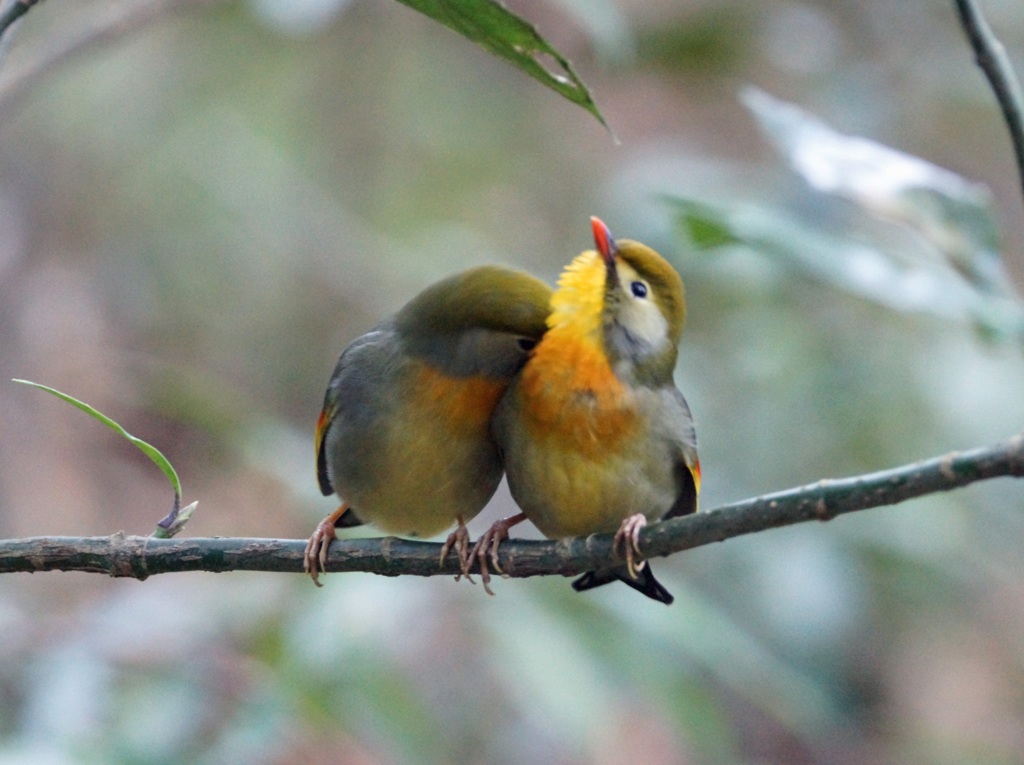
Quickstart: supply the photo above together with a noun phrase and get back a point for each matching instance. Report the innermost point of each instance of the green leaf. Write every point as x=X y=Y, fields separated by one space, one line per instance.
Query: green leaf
x=150 y=451
x=704 y=226
x=500 y=32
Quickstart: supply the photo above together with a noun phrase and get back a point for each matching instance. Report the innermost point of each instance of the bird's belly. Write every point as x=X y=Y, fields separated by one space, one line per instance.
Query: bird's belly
x=570 y=493
x=453 y=479
x=431 y=460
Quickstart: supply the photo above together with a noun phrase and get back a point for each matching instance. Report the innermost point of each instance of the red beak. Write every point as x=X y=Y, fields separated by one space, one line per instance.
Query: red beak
x=603 y=238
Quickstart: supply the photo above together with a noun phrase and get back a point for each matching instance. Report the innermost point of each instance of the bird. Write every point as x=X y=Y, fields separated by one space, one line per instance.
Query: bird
x=594 y=435
x=403 y=437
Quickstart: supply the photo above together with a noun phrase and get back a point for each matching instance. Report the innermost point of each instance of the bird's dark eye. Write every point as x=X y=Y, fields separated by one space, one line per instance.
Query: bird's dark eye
x=527 y=343
x=639 y=289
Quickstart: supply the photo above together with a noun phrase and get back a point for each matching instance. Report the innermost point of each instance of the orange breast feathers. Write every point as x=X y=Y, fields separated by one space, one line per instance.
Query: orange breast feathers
x=572 y=399
x=465 y=403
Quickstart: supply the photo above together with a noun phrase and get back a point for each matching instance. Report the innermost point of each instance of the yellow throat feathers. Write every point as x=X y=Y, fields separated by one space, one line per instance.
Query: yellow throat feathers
x=579 y=300
x=569 y=389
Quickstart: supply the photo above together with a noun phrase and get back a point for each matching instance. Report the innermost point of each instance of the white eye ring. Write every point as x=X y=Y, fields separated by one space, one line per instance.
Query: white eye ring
x=639 y=289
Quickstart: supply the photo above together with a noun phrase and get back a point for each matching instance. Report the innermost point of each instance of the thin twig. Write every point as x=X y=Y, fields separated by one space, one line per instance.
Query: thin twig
x=13 y=12
x=140 y=557
x=9 y=13
x=991 y=57
x=104 y=29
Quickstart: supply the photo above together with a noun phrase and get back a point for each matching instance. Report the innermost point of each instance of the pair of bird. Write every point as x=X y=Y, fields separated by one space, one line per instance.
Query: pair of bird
x=569 y=392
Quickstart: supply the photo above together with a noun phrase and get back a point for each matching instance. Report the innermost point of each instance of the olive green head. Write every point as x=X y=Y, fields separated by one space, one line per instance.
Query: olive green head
x=644 y=309
x=480 y=321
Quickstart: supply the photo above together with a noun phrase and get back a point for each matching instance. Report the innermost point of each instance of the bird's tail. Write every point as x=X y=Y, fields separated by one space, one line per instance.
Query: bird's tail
x=644 y=582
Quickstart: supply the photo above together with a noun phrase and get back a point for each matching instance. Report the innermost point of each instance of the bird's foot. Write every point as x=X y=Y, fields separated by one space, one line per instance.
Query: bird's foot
x=315 y=558
x=487 y=546
x=459 y=539
x=628 y=536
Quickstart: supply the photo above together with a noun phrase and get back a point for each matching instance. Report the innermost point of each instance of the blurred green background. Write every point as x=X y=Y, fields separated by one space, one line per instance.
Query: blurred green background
x=197 y=218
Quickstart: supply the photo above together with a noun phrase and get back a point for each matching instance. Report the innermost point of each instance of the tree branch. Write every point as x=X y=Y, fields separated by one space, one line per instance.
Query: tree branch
x=140 y=557
x=991 y=57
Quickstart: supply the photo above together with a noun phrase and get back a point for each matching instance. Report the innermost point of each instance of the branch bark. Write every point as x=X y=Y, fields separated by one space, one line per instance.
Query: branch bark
x=141 y=557
x=991 y=57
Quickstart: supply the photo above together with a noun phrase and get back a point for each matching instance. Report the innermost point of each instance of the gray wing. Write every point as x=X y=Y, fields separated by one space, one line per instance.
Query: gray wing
x=353 y=401
x=677 y=430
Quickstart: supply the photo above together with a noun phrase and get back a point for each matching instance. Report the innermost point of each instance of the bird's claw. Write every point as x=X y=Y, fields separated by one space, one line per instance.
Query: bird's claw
x=459 y=539
x=487 y=547
x=315 y=558
x=628 y=536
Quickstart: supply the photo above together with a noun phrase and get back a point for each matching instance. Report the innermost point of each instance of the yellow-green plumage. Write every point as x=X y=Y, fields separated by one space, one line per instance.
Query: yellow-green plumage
x=403 y=438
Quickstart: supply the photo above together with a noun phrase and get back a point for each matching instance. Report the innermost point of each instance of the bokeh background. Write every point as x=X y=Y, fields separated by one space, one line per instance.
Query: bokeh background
x=196 y=218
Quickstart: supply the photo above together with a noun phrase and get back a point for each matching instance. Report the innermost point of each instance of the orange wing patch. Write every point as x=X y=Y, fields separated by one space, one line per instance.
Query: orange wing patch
x=322 y=475
x=321 y=429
